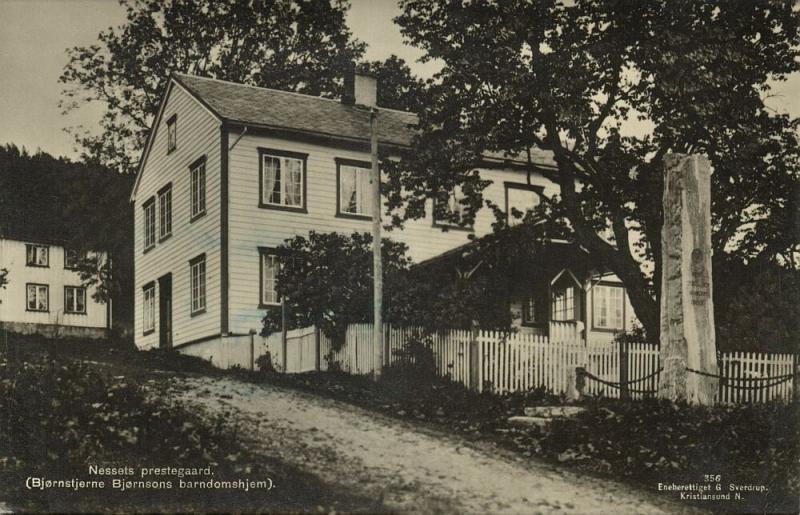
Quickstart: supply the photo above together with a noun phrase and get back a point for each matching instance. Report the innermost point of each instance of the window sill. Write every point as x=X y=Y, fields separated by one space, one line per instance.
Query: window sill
x=451 y=227
x=29 y=310
x=354 y=216
x=196 y=217
x=165 y=238
x=171 y=150
x=276 y=207
x=197 y=313
x=148 y=332
x=36 y=266
x=80 y=313
x=148 y=249
x=268 y=306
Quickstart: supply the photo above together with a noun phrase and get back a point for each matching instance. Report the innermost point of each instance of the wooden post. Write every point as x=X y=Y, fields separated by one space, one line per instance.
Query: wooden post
x=624 y=389
x=318 y=348
x=474 y=358
x=284 y=331
x=687 y=307
x=796 y=378
x=377 y=263
x=252 y=349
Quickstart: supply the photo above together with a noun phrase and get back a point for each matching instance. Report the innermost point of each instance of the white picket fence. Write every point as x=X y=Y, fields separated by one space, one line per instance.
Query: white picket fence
x=502 y=362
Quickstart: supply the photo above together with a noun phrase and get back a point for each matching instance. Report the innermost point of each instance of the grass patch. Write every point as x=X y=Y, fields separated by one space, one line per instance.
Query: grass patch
x=59 y=415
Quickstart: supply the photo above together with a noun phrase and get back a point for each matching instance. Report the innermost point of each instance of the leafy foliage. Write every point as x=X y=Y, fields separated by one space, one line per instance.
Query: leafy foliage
x=567 y=78
x=326 y=280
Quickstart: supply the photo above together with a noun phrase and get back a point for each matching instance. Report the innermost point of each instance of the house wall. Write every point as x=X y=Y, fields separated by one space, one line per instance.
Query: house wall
x=251 y=226
x=13 y=298
x=198 y=134
x=595 y=334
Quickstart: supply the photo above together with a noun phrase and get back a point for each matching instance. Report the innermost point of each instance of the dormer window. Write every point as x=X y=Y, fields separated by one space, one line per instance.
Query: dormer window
x=172 y=133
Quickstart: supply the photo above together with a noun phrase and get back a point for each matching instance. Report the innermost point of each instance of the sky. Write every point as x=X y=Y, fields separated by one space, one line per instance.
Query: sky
x=34 y=35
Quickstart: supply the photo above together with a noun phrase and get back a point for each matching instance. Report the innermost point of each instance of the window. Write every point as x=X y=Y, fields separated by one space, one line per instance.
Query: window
x=165 y=212
x=198 y=187
x=532 y=310
x=197 y=270
x=282 y=179
x=38 y=297
x=355 y=188
x=149 y=224
x=73 y=258
x=563 y=304
x=75 y=300
x=269 y=277
x=172 y=133
x=521 y=198
x=455 y=210
x=149 y=308
x=37 y=255
x=608 y=305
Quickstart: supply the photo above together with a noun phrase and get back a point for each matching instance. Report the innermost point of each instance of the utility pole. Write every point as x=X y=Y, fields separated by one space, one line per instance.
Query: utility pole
x=377 y=263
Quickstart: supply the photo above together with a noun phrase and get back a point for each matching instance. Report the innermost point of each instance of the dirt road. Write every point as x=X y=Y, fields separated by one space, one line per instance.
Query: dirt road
x=406 y=467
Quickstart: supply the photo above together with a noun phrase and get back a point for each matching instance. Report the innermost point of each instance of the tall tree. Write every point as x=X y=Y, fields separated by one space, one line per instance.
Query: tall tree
x=569 y=77
x=301 y=46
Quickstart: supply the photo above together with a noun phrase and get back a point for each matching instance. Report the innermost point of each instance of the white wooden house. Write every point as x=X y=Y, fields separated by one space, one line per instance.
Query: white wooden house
x=231 y=171
x=45 y=294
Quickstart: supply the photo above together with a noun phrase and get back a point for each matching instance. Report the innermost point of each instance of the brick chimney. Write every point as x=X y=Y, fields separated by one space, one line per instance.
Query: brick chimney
x=360 y=89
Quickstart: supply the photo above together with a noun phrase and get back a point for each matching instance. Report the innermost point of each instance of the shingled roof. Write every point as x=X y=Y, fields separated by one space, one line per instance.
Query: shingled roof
x=251 y=105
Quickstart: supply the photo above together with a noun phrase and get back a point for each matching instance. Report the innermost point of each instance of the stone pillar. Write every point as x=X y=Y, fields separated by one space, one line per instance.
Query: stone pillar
x=687 y=308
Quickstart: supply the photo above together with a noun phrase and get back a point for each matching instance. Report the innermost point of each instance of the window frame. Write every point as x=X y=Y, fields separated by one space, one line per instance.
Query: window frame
x=149 y=203
x=283 y=154
x=196 y=261
x=262 y=253
x=47 y=297
x=595 y=325
x=149 y=287
x=198 y=164
x=81 y=255
x=526 y=302
x=172 y=133
x=509 y=185
x=33 y=264
x=575 y=301
x=446 y=224
x=69 y=311
x=355 y=163
x=164 y=193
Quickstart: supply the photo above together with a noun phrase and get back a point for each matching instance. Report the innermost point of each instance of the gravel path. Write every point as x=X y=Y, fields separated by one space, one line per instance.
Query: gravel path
x=406 y=467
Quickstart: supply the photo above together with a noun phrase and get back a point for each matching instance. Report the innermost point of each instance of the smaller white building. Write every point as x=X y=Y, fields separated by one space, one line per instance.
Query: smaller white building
x=44 y=293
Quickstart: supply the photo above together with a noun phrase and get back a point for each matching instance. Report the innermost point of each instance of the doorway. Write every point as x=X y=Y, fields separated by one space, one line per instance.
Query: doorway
x=165 y=311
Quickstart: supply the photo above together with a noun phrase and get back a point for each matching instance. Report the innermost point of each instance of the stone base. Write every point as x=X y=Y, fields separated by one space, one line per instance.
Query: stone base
x=55 y=331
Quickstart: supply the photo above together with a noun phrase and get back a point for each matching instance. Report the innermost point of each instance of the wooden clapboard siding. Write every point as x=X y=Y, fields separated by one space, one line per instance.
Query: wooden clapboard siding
x=251 y=226
x=198 y=134
x=13 y=298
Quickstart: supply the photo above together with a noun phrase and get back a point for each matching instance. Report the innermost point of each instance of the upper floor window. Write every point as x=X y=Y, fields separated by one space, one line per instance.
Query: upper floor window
x=197 y=269
x=73 y=258
x=521 y=198
x=38 y=297
x=149 y=224
x=454 y=209
x=149 y=308
x=355 y=188
x=198 y=187
x=172 y=133
x=165 y=212
x=608 y=305
x=269 y=277
x=37 y=255
x=75 y=300
x=282 y=179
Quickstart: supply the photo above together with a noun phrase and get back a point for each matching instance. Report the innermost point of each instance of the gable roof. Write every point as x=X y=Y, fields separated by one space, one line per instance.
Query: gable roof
x=253 y=106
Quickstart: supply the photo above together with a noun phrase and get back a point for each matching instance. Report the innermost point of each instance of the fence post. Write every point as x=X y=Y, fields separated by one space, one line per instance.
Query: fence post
x=580 y=381
x=317 y=348
x=624 y=392
x=284 y=331
x=252 y=349
x=474 y=358
x=795 y=382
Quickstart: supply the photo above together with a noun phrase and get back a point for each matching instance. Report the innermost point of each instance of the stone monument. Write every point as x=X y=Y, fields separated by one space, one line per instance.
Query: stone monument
x=687 y=307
